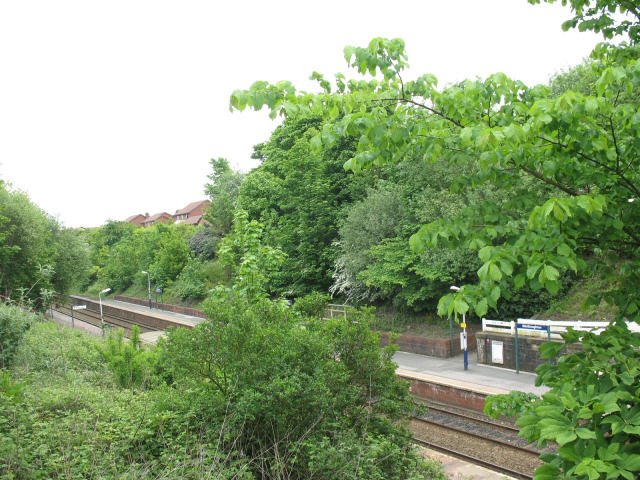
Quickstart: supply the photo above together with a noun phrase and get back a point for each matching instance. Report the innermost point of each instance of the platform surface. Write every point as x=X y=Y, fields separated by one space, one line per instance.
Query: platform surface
x=451 y=370
x=177 y=318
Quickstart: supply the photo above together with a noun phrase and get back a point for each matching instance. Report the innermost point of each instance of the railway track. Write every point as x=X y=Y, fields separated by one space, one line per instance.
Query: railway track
x=472 y=438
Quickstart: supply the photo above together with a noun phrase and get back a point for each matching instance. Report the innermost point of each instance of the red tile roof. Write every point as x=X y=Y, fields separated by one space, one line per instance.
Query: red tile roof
x=156 y=217
x=192 y=206
x=195 y=220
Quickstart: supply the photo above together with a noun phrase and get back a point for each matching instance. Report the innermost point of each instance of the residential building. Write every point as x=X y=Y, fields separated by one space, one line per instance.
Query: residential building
x=194 y=209
x=138 y=219
x=162 y=217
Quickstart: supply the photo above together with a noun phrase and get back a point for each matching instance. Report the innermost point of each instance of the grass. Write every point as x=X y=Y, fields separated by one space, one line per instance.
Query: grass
x=571 y=306
x=414 y=324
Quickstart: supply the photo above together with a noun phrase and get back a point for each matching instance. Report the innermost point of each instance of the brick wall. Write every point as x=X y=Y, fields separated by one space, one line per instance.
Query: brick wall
x=146 y=322
x=448 y=394
x=528 y=350
x=161 y=306
x=434 y=347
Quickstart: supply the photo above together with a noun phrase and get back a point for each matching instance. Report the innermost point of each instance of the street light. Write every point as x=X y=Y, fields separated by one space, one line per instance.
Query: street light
x=463 y=340
x=106 y=290
x=148 y=285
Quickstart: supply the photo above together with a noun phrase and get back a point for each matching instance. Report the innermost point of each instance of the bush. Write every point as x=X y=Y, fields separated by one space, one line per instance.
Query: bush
x=191 y=283
x=296 y=411
x=131 y=365
x=204 y=244
x=14 y=322
x=312 y=305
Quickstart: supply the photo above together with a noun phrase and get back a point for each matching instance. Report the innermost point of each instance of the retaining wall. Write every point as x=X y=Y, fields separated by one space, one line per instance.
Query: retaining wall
x=161 y=306
x=434 y=347
x=528 y=350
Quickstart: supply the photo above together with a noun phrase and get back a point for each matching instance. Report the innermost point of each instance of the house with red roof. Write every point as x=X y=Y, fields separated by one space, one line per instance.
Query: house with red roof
x=192 y=213
x=162 y=217
x=138 y=220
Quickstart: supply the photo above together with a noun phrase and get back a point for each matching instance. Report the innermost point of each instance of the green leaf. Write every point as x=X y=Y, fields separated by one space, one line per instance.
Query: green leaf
x=518 y=281
x=485 y=253
x=481 y=308
x=506 y=267
x=460 y=306
x=549 y=273
x=532 y=270
x=585 y=434
x=547 y=472
x=565 y=436
x=494 y=272
x=591 y=105
x=550 y=350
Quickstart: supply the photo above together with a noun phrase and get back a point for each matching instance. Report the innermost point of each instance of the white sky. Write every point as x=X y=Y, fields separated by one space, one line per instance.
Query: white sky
x=113 y=108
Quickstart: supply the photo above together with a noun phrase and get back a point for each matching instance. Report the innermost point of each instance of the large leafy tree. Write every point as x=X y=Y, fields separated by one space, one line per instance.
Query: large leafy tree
x=223 y=189
x=581 y=147
x=37 y=255
x=611 y=17
x=298 y=194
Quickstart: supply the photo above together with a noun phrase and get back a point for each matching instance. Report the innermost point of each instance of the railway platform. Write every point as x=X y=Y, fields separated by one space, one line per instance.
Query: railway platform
x=172 y=317
x=485 y=379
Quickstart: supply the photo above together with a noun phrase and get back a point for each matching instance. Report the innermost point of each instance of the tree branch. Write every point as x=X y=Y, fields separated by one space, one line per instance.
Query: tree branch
x=624 y=181
x=430 y=109
x=548 y=181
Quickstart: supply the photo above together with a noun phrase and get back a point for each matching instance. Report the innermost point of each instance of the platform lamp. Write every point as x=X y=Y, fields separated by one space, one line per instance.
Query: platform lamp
x=463 y=339
x=106 y=290
x=148 y=285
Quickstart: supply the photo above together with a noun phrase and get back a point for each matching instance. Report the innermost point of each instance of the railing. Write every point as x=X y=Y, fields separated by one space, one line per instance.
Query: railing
x=551 y=329
x=546 y=328
x=334 y=310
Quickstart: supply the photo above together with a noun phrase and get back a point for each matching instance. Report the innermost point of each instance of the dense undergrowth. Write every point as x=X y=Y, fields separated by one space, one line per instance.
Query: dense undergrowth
x=254 y=393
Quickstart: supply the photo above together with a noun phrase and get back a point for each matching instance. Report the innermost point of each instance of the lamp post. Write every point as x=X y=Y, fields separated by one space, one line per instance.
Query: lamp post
x=106 y=290
x=463 y=340
x=148 y=286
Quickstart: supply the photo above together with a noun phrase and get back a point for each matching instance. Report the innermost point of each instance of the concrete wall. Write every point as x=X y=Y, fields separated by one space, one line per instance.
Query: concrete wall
x=528 y=350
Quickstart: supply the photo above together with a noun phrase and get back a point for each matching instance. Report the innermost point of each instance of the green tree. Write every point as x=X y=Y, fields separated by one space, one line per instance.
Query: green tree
x=579 y=147
x=223 y=192
x=298 y=194
x=605 y=16
x=251 y=262
x=162 y=250
x=72 y=260
x=37 y=255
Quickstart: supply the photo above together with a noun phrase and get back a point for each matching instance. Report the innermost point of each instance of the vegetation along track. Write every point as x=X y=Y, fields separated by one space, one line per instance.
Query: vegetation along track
x=475 y=438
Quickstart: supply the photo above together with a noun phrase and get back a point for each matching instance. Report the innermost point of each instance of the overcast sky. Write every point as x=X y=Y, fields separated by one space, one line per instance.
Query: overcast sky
x=113 y=108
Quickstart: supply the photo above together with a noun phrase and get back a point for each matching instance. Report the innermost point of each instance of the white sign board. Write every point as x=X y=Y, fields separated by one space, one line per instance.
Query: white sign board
x=496 y=352
x=463 y=341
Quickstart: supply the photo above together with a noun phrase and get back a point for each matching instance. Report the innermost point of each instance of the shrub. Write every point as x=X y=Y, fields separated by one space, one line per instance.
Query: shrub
x=204 y=244
x=297 y=411
x=14 y=322
x=312 y=305
x=131 y=365
x=191 y=283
